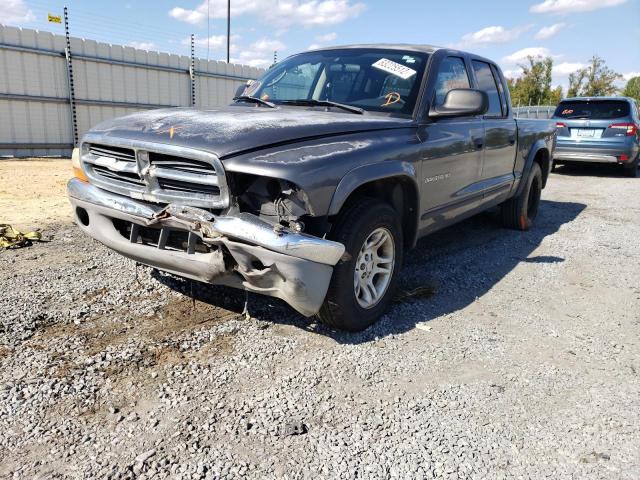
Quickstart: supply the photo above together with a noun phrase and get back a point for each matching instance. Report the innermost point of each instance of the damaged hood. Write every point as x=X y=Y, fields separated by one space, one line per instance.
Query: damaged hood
x=234 y=129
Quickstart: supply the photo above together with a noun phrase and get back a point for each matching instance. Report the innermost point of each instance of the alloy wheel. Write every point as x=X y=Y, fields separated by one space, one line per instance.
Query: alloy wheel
x=374 y=268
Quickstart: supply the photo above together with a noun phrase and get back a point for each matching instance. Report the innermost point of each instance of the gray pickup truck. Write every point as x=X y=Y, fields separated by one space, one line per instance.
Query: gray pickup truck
x=320 y=175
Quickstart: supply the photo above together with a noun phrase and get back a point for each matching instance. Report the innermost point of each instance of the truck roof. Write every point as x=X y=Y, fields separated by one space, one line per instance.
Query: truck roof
x=385 y=46
x=429 y=49
x=596 y=98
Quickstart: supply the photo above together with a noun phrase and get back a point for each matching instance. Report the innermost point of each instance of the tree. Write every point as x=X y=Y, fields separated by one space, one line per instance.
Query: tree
x=555 y=96
x=633 y=88
x=534 y=85
x=595 y=80
x=511 y=85
x=575 y=83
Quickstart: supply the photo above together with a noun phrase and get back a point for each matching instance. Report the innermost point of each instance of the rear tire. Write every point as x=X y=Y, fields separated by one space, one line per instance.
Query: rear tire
x=350 y=305
x=520 y=212
x=633 y=170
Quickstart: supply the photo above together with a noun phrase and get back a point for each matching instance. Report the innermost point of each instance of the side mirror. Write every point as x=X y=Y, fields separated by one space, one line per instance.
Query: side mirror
x=461 y=102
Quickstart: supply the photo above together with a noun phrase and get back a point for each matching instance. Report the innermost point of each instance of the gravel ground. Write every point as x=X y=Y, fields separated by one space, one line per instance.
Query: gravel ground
x=509 y=355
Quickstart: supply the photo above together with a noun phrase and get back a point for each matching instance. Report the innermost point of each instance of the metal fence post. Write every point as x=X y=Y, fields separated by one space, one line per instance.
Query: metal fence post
x=228 y=30
x=192 y=71
x=72 y=93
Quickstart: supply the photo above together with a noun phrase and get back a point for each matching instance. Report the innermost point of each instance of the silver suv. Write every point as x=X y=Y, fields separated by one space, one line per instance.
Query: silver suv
x=601 y=130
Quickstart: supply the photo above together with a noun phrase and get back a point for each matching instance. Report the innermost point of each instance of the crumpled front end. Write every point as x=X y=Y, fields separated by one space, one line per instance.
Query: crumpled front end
x=239 y=250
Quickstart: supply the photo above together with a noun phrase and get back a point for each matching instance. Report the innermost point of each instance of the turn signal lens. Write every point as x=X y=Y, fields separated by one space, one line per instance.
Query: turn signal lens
x=77 y=167
x=79 y=174
x=624 y=158
x=560 y=125
x=631 y=128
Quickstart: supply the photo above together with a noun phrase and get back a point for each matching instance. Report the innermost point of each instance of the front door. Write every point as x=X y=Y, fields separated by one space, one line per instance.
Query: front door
x=451 y=154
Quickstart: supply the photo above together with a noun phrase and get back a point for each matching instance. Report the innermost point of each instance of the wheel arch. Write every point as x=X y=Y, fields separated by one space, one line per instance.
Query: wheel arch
x=539 y=153
x=392 y=182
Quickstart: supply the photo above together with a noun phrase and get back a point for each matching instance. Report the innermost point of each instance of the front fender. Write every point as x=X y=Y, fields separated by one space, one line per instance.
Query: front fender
x=318 y=166
x=370 y=173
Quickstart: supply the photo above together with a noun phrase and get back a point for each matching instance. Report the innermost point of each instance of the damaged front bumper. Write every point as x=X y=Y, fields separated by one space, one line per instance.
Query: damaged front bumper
x=240 y=251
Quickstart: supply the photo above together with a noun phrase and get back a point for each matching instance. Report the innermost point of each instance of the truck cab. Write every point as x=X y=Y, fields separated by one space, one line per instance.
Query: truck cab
x=313 y=183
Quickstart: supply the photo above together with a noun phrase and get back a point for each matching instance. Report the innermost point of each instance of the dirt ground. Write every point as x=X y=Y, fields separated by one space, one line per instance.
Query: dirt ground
x=515 y=355
x=32 y=192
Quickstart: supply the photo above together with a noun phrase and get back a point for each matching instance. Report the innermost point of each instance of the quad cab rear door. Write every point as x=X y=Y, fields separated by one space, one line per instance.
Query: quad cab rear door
x=500 y=131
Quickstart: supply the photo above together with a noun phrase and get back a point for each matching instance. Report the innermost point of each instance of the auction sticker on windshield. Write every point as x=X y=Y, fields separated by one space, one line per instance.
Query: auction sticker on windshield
x=396 y=69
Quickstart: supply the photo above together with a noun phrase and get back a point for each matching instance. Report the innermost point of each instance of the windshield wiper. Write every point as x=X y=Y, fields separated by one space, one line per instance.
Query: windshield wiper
x=247 y=98
x=323 y=103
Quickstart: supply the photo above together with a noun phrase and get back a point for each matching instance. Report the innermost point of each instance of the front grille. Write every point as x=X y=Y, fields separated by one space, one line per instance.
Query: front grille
x=184 y=175
x=131 y=178
x=123 y=154
x=182 y=164
x=179 y=186
x=156 y=172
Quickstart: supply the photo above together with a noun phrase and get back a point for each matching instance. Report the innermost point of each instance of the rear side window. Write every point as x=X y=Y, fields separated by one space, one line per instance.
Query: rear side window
x=452 y=75
x=594 y=109
x=487 y=83
x=501 y=89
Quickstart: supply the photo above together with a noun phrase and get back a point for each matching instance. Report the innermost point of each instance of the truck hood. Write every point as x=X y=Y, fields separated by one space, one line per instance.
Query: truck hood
x=231 y=130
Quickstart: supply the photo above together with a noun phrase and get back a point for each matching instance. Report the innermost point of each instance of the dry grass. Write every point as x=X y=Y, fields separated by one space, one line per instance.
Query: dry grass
x=32 y=192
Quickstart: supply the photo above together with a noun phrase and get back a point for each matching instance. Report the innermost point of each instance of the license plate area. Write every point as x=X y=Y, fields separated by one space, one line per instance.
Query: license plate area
x=587 y=133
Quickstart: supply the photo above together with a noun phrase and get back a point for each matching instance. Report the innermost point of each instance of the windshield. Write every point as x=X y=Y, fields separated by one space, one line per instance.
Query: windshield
x=372 y=79
x=593 y=110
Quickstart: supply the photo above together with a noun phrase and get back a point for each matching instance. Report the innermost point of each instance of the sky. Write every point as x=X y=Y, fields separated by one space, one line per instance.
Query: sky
x=570 y=31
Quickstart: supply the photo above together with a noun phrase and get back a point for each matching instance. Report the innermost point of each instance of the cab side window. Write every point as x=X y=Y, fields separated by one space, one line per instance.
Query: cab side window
x=487 y=83
x=501 y=89
x=452 y=74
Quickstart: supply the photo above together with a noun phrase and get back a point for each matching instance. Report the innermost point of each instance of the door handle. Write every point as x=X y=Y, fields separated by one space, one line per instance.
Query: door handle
x=478 y=143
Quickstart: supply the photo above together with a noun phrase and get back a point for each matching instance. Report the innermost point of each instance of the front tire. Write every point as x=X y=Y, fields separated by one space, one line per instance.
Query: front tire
x=365 y=279
x=520 y=212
